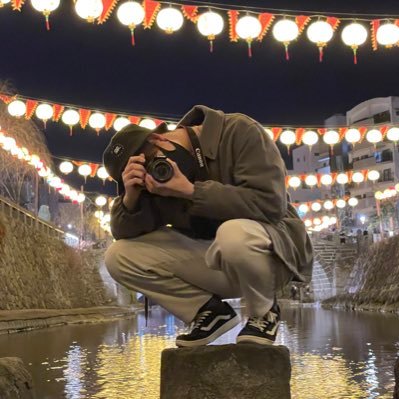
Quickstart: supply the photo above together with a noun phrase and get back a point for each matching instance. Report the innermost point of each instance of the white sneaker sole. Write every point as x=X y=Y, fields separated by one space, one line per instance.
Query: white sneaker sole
x=204 y=341
x=253 y=339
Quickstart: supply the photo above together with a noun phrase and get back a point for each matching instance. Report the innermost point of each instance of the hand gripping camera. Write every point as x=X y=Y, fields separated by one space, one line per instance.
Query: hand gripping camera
x=160 y=169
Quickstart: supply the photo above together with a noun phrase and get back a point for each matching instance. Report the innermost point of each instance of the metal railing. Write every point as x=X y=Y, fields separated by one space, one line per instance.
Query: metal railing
x=13 y=210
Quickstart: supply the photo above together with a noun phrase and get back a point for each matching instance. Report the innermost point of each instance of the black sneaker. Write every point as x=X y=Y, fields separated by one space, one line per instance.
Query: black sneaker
x=261 y=330
x=212 y=320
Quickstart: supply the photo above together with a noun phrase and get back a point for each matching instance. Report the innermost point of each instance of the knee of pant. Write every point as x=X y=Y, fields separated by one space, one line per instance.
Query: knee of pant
x=233 y=240
x=112 y=260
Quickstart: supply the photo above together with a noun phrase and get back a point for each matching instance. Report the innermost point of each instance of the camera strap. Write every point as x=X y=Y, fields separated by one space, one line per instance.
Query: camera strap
x=198 y=154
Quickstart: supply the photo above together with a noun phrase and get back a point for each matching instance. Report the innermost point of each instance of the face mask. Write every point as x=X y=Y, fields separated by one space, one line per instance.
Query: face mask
x=185 y=161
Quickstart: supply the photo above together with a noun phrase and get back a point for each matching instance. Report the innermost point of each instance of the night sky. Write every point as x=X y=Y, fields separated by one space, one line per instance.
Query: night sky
x=96 y=67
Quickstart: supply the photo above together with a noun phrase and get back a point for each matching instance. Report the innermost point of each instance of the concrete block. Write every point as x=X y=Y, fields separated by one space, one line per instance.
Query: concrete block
x=242 y=371
x=15 y=380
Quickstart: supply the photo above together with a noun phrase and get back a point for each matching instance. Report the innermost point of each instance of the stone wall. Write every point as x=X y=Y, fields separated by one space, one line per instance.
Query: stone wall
x=373 y=283
x=40 y=271
x=333 y=264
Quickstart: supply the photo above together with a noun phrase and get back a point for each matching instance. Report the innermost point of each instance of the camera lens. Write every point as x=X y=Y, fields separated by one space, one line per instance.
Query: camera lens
x=160 y=169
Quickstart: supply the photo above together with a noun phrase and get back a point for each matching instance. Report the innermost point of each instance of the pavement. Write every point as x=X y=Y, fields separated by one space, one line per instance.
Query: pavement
x=30 y=319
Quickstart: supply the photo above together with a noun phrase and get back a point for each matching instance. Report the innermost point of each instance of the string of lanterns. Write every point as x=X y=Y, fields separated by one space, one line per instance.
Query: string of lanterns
x=9 y=145
x=328 y=179
x=387 y=193
x=72 y=115
x=248 y=27
x=320 y=223
x=328 y=205
x=85 y=169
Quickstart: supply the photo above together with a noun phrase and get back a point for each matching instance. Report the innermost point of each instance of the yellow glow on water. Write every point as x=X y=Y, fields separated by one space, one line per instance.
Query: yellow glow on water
x=133 y=371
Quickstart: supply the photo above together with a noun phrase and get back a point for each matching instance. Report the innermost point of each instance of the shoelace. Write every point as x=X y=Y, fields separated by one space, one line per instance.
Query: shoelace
x=262 y=322
x=200 y=318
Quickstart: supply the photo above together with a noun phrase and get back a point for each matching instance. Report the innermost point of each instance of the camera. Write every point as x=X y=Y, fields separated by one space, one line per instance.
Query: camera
x=160 y=169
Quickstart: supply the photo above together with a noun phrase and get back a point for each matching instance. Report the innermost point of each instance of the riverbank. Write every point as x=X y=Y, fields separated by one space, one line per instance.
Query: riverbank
x=12 y=321
x=359 y=302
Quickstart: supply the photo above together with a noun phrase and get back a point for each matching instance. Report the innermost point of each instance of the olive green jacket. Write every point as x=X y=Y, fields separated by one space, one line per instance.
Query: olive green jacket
x=247 y=180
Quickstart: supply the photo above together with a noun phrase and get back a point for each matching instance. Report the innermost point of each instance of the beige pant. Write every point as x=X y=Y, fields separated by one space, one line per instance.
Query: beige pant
x=181 y=274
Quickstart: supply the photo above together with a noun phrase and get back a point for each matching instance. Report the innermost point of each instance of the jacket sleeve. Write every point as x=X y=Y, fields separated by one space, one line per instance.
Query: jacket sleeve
x=126 y=224
x=258 y=192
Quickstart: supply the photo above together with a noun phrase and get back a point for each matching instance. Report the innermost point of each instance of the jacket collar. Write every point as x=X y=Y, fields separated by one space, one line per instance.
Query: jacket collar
x=212 y=122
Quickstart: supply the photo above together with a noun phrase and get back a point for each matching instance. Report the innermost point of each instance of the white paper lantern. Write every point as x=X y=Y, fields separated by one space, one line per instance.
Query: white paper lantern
x=325 y=219
x=342 y=178
x=269 y=133
x=308 y=222
x=97 y=121
x=170 y=19
x=388 y=193
x=288 y=137
x=210 y=24
x=393 y=134
x=45 y=7
x=99 y=214
x=352 y=136
x=70 y=117
x=89 y=9
x=102 y=173
x=9 y=143
x=131 y=14
x=3 y=2
x=16 y=108
x=100 y=201
x=148 y=123
x=303 y=208
x=66 y=167
x=333 y=220
x=397 y=187
x=120 y=123
x=387 y=34
x=340 y=203
x=331 y=137
x=326 y=180
x=311 y=180
x=44 y=112
x=379 y=195
x=373 y=175
x=316 y=221
x=294 y=182
x=43 y=172
x=328 y=205
x=310 y=138
x=172 y=126
x=354 y=35
x=316 y=206
x=358 y=177
x=285 y=31
x=55 y=182
x=80 y=198
x=248 y=28
x=374 y=136
x=320 y=32
x=84 y=170
x=353 y=201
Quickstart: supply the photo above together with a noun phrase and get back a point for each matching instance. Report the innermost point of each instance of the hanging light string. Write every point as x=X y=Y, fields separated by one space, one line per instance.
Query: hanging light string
x=100 y=120
x=246 y=27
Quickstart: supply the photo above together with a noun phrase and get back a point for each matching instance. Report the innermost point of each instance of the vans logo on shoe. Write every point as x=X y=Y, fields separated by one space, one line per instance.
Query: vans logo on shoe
x=214 y=321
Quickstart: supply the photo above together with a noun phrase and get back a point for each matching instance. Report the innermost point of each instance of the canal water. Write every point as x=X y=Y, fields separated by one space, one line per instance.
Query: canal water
x=334 y=354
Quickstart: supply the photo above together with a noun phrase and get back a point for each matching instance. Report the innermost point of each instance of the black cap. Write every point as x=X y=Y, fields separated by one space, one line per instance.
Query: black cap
x=124 y=144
